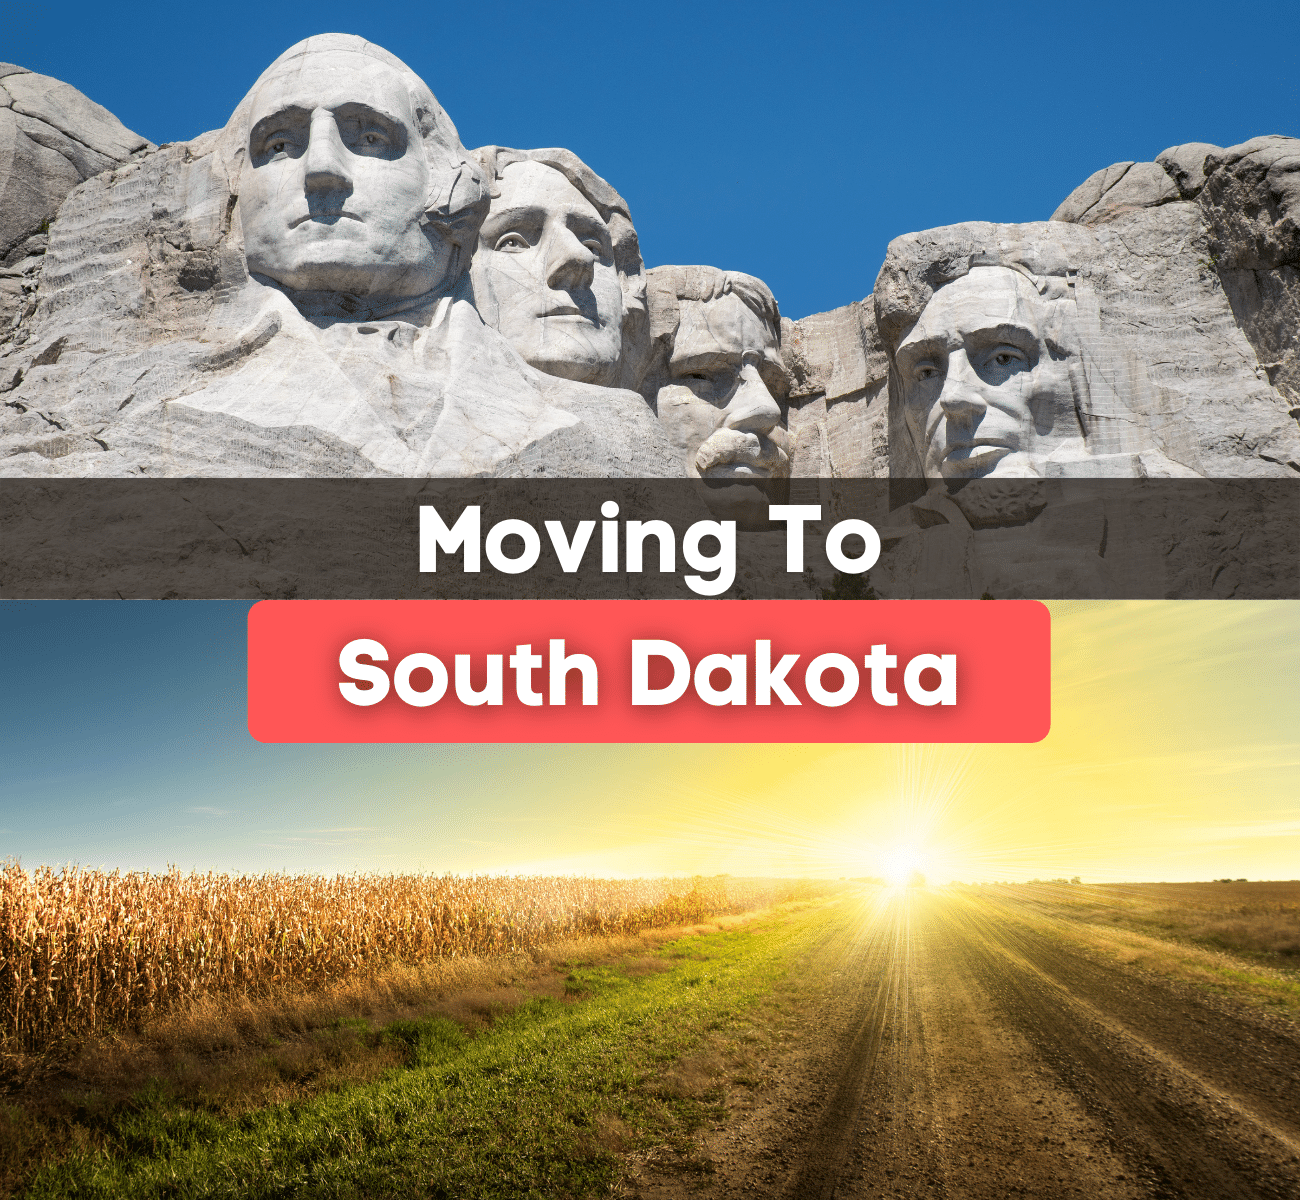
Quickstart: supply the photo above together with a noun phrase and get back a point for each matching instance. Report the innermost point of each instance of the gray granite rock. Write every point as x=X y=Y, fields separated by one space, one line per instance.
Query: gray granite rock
x=51 y=139
x=1251 y=201
x=1185 y=165
x=716 y=380
x=837 y=416
x=1117 y=189
x=60 y=106
x=190 y=321
x=163 y=311
x=1251 y=204
x=558 y=268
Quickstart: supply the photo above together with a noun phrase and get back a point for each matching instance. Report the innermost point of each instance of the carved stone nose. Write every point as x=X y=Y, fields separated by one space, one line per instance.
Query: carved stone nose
x=572 y=265
x=960 y=397
x=325 y=166
x=963 y=403
x=753 y=409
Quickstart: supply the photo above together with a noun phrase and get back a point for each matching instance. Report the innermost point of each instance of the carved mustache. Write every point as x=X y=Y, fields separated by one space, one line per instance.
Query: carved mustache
x=735 y=447
x=324 y=215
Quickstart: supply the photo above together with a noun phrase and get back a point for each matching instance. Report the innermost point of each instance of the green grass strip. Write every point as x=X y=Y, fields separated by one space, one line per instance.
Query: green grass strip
x=512 y=1112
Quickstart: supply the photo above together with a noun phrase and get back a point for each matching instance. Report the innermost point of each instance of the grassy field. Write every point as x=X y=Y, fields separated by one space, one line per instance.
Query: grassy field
x=1237 y=937
x=528 y=1081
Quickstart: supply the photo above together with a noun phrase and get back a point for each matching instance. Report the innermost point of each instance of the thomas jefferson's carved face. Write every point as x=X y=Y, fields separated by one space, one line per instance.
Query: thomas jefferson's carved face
x=544 y=275
x=718 y=405
x=334 y=191
x=983 y=394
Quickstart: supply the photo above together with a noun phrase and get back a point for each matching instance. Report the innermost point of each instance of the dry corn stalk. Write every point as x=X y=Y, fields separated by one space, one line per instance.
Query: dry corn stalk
x=82 y=951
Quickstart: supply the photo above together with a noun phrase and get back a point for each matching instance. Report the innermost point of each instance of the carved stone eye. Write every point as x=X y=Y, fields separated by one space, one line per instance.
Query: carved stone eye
x=511 y=243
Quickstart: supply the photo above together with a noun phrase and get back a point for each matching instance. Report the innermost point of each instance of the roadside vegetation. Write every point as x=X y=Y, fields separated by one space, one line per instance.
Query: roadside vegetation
x=525 y=1074
x=1232 y=936
x=86 y=952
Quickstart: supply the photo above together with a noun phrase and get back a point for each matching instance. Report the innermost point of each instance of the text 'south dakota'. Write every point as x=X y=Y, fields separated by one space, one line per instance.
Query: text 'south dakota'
x=830 y=679
x=554 y=671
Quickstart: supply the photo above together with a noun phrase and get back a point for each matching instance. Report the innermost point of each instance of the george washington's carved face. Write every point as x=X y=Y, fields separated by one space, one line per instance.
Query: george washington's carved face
x=334 y=191
x=544 y=275
x=983 y=393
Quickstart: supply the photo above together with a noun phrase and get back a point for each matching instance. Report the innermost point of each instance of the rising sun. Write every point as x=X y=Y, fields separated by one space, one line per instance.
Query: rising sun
x=903 y=865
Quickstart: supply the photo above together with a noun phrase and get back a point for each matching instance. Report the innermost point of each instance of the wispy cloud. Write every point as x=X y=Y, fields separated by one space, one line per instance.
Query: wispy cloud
x=1252 y=829
x=209 y=811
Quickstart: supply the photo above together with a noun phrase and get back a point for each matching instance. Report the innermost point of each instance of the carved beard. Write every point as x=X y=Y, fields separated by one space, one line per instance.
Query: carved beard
x=989 y=503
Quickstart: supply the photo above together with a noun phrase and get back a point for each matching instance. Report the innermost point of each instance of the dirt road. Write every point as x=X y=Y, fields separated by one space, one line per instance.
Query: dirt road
x=966 y=1051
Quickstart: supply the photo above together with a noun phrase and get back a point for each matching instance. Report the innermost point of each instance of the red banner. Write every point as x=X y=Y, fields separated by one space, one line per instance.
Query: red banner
x=649 y=671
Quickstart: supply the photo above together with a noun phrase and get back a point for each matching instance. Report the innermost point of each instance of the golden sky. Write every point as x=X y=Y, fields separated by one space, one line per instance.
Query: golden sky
x=1174 y=754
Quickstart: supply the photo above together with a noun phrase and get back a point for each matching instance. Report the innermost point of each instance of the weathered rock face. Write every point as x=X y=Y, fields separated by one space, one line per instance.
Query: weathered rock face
x=838 y=403
x=1251 y=203
x=1185 y=165
x=51 y=139
x=1117 y=189
x=1248 y=197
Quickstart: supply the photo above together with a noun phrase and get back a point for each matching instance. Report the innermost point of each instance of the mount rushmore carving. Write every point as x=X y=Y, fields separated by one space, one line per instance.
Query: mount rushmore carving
x=333 y=285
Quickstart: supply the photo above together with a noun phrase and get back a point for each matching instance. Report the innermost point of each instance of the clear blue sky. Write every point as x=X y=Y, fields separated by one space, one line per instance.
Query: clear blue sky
x=788 y=140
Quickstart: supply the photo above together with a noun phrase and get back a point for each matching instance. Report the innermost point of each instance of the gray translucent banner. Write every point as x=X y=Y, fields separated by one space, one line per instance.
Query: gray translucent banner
x=325 y=538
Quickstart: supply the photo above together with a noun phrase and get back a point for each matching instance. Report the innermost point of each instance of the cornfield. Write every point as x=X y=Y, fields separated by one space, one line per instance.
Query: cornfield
x=85 y=951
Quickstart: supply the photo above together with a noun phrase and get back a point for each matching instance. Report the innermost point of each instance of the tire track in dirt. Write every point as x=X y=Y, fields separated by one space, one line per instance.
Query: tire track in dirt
x=962 y=1049
x=962 y=1106
x=1252 y=1061
x=1175 y=1124
x=881 y=969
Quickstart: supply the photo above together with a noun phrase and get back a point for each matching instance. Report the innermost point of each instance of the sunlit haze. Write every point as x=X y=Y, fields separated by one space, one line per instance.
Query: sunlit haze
x=1173 y=756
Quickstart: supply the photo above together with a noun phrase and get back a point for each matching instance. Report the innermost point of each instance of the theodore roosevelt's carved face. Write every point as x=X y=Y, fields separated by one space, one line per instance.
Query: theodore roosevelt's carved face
x=983 y=393
x=544 y=275
x=334 y=191
x=718 y=404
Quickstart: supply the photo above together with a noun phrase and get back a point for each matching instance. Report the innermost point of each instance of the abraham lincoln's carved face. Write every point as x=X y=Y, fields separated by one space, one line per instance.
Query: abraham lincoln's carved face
x=984 y=394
